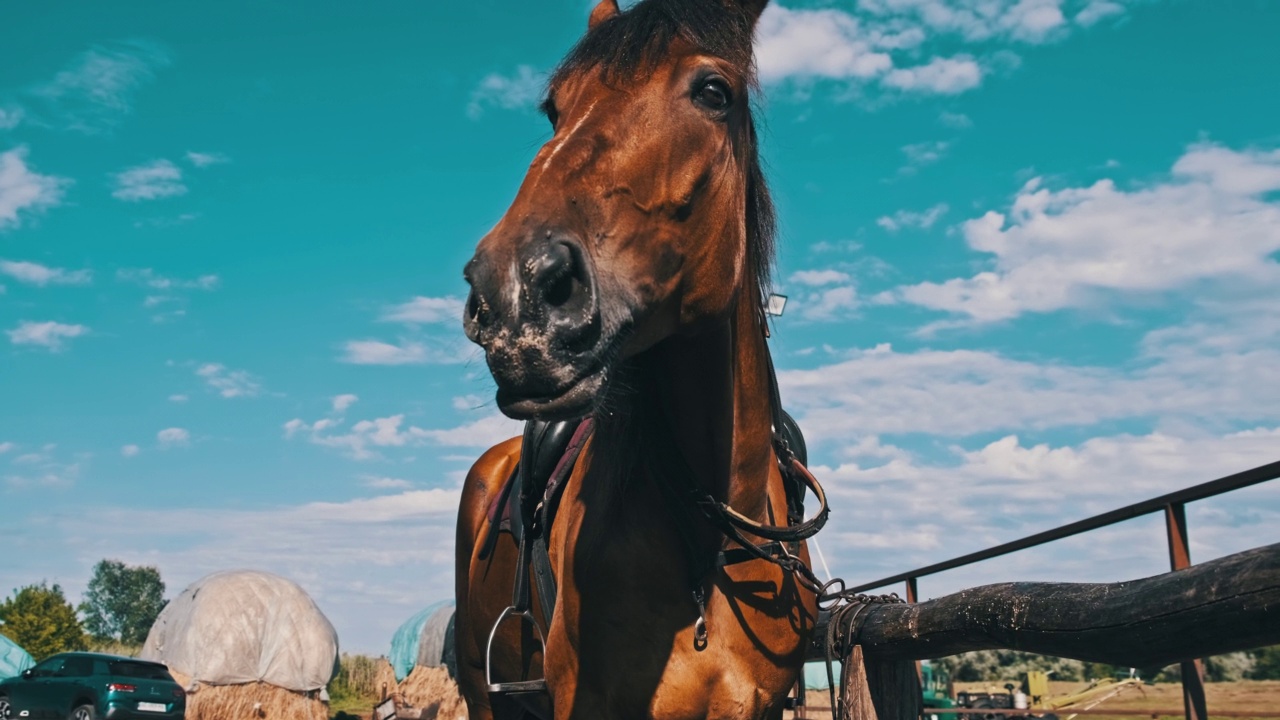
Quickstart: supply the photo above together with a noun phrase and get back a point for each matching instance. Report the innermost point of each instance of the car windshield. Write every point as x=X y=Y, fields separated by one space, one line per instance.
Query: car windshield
x=141 y=671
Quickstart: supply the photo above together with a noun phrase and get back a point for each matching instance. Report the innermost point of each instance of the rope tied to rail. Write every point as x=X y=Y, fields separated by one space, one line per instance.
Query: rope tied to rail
x=847 y=611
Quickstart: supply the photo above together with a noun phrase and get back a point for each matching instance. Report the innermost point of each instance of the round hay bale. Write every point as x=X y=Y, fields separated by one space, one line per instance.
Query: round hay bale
x=249 y=701
x=431 y=688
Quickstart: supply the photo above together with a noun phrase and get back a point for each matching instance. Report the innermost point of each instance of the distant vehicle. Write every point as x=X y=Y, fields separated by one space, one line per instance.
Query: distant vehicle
x=92 y=686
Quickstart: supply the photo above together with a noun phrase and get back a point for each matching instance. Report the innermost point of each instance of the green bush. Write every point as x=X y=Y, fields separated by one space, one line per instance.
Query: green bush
x=40 y=620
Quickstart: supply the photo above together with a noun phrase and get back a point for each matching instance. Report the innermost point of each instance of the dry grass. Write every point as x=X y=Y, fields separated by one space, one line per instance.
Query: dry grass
x=434 y=692
x=384 y=682
x=249 y=702
x=1241 y=696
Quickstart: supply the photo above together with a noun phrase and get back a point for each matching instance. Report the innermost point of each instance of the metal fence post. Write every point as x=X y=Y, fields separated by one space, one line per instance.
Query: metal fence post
x=1175 y=519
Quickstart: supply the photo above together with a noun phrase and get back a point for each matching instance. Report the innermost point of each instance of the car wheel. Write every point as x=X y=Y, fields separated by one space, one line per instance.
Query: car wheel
x=5 y=708
x=84 y=712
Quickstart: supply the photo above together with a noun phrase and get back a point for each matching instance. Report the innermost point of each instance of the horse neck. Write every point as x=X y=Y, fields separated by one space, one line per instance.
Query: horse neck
x=699 y=407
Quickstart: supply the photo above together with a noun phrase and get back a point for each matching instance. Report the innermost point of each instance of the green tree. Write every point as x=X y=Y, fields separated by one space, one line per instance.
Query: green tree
x=39 y=618
x=122 y=602
x=1266 y=663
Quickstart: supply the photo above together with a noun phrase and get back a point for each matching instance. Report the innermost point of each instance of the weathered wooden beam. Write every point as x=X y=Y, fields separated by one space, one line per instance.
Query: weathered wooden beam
x=1221 y=606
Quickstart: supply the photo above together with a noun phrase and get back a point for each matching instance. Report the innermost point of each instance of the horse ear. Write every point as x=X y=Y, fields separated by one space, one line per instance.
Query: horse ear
x=604 y=10
x=753 y=8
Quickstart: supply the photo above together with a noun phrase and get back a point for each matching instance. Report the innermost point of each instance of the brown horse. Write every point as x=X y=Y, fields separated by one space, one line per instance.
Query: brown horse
x=625 y=282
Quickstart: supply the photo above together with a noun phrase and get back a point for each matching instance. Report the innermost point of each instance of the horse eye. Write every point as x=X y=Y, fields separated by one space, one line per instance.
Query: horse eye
x=549 y=109
x=713 y=94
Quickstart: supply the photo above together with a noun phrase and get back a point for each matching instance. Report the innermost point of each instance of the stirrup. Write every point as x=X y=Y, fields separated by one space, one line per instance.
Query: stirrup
x=521 y=687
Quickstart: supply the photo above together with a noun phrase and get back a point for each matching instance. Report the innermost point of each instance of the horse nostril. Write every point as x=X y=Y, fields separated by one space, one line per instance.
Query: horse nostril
x=557 y=273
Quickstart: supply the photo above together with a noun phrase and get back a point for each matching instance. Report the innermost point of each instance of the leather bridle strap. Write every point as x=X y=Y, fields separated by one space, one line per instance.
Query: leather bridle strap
x=723 y=515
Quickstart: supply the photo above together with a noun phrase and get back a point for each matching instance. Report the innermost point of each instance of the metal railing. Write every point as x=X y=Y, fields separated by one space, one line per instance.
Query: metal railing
x=1173 y=505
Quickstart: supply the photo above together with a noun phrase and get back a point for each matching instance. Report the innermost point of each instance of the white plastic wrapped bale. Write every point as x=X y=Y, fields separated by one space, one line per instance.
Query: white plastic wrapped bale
x=243 y=626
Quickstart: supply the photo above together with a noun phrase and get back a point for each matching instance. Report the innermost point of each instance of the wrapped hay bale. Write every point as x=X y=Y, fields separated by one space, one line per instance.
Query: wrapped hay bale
x=423 y=660
x=247 y=645
x=433 y=691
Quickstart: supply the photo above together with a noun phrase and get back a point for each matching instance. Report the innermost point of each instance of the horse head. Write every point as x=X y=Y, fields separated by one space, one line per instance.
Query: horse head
x=645 y=214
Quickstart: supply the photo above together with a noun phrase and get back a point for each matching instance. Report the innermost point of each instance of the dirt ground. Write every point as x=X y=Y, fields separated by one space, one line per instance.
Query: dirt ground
x=1244 y=696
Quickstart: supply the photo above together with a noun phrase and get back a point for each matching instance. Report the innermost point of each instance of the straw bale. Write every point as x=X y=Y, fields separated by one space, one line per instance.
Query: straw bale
x=432 y=690
x=384 y=680
x=249 y=701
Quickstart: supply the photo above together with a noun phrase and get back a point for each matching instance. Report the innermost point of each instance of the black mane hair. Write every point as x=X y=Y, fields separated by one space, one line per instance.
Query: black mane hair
x=632 y=43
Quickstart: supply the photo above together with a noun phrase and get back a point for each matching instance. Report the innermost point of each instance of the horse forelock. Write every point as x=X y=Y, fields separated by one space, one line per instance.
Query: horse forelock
x=633 y=43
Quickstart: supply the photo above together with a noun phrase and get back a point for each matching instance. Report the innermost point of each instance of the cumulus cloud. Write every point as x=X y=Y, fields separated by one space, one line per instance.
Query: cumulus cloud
x=24 y=191
x=941 y=76
x=1212 y=219
x=426 y=310
x=922 y=220
x=173 y=437
x=130 y=450
x=342 y=402
x=228 y=383
x=49 y=335
x=151 y=181
x=41 y=275
x=146 y=277
x=508 y=92
x=877 y=45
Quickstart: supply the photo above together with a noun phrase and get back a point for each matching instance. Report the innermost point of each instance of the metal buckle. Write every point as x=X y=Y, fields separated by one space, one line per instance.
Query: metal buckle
x=520 y=687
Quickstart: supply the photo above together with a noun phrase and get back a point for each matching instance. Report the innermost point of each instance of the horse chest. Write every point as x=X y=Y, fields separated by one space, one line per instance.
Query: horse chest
x=622 y=644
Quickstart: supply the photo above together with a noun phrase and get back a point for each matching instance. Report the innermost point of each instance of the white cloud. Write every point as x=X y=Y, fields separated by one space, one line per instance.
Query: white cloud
x=342 y=402
x=200 y=159
x=959 y=121
x=815 y=43
x=51 y=335
x=36 y=274
x=6 y=447
x=941 y=75
x=147 y=277
x=1097 y=10
x=924 y=153
x=23 y=190
x=830 y=303
x=426 y=310
x=910 y=219
x=817 y=278
x=521 y=90
x=154 y=180
x=408 y=352
x=10 y=118
x=363 y=440
x=178 y=398
x=384 y=483
x=172 y=437
x=1029 y=21
x=1182 y=378
x=229 y=383
x=1211 y=220
x=482 y=433
x=130 y=450
x=96 y=90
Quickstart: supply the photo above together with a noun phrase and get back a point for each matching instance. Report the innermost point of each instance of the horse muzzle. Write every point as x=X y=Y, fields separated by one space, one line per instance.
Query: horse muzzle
x=537 y=315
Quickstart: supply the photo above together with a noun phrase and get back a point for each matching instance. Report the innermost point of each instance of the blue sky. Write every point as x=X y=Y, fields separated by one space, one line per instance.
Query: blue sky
x=1030 y=245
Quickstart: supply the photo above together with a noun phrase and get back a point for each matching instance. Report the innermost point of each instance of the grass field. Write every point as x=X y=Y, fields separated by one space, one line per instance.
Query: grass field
x=1242 y=696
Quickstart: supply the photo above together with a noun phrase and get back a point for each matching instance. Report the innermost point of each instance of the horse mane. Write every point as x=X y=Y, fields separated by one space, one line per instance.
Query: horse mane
x=634 y=42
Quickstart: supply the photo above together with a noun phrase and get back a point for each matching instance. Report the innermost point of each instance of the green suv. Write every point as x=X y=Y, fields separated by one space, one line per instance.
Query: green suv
x=92 y=686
